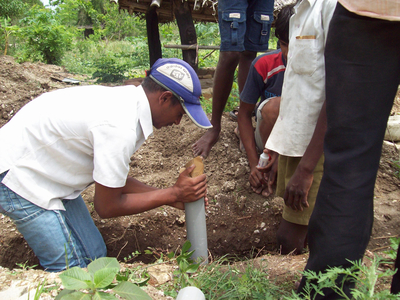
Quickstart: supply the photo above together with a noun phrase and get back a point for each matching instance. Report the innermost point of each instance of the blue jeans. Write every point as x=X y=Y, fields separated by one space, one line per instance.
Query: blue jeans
x=60 y=239
x=245 y=24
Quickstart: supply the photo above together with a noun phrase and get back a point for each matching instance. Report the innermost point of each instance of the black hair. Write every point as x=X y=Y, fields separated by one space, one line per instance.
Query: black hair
x=151 y=85
x=282 y=23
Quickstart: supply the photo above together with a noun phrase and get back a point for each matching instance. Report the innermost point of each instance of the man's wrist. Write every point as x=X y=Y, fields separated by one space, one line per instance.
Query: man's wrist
x=173 y=195
x=306 y=168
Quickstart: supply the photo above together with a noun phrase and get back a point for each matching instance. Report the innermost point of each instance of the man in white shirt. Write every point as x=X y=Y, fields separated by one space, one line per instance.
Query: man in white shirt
x=63 y=141
x=362 y=76
x=297 y=135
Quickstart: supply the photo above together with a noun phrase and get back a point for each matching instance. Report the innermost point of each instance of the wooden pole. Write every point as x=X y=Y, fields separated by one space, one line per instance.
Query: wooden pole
x=187 y=32
x=194 y=46
x=153 y=35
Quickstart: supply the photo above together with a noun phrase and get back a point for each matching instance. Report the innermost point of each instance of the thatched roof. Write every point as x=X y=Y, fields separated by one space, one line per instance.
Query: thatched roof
x=202 y=10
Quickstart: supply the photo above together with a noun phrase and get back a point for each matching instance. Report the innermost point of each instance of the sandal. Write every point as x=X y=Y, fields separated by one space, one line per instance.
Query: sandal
x=233 y=114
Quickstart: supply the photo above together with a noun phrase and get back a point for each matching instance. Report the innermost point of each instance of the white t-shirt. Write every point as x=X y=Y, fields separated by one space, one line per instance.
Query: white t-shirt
x=303 y=91
x=61 y=142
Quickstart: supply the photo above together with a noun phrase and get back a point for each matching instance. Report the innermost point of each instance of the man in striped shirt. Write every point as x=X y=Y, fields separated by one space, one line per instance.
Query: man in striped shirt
x=264 y=82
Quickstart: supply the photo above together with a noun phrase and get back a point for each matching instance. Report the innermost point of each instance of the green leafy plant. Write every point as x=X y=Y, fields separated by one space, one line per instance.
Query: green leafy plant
x=110 y=68
x=8 y=29
x=253 y=284
x=137 y=275
x=364 y=278
x=394 y=245
x=98 y=282
x=208 y=34
x=273 y=40
x=119 y=24
x=45 y=39
x=396 y=164
x=157 y=254
x=186 y=266
x=206 y=104
x=131 y=256
x=24 y=266
x=9 y=9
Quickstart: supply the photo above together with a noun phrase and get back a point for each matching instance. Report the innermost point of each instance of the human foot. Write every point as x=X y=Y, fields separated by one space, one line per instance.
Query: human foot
x=257 y=190
x=267 y=191
x=203 y=146
x=241 y=146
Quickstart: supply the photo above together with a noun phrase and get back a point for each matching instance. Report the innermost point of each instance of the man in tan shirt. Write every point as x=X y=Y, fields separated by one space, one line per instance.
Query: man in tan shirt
x=362 y=57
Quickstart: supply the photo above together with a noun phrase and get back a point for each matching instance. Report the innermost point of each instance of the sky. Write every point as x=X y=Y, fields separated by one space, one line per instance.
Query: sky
x=45 y=2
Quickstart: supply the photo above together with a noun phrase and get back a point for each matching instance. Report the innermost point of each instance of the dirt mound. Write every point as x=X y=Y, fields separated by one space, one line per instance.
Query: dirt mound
x=20 y=83
x=239 y=222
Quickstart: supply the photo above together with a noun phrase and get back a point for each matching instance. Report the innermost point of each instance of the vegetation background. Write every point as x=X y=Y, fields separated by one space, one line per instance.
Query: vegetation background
x=116 y=50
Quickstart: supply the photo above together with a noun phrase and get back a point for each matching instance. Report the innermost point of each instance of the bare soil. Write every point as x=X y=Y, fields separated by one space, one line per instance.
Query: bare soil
x=239 y=222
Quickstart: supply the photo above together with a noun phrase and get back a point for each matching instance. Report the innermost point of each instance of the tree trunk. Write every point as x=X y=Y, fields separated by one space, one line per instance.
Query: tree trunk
x=153 y=35
x=187 y=31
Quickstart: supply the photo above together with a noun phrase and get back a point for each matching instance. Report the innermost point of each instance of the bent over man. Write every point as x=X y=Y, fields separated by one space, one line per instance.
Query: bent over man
x=65 y=140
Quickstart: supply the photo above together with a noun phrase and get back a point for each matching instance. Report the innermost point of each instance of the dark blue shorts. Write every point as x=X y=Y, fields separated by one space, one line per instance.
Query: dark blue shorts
x=245 y=24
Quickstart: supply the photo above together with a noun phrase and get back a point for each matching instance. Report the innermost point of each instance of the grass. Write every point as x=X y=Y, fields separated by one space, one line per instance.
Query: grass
x=222 y=279
x=250 y=280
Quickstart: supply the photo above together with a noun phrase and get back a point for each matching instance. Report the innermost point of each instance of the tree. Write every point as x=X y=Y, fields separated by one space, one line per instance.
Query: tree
x=31 y=3
x=14 y=8
x=80 y=12
x=9 y=9
x=46 y=39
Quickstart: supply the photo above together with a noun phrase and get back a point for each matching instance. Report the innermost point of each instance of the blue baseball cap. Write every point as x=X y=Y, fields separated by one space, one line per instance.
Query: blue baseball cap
x=178 y=77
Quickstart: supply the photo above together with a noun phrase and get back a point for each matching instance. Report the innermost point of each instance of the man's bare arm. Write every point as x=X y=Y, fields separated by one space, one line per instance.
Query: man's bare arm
x=137 y=197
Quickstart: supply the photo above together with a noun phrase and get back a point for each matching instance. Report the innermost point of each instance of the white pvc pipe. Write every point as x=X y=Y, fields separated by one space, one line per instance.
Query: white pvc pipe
x=190 y=293
x=393 y=129
x=196 y=229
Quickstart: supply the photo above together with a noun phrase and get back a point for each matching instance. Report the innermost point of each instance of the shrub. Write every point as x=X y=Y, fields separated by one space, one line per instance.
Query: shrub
x=111 y=68
x=44 y=38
